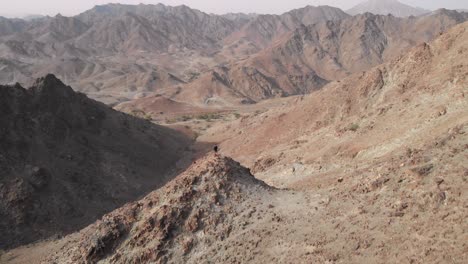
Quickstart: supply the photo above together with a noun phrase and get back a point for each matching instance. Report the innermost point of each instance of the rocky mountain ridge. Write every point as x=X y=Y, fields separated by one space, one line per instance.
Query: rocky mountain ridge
x=370 y=168
x=117 y=53
x=308 y=58
x=67 y=159
x=174 y=222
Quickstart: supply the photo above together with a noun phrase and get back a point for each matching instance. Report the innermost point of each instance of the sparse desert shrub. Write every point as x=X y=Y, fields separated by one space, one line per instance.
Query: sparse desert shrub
x=195 y=135
x=354 y=127
x=237 y=115
x=170 y=120
x=141 y=114
x=210 y=116
x=207 y=117
x=135 y=112
x=148 y=117
x=185 y=118
x=193 y=75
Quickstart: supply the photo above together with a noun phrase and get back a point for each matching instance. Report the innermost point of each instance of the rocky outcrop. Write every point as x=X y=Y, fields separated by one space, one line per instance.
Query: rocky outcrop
x=66 y=160
x=199 y=206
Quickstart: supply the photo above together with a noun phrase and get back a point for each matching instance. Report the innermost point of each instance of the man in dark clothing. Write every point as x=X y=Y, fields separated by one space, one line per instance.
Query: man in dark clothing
x=216 y=149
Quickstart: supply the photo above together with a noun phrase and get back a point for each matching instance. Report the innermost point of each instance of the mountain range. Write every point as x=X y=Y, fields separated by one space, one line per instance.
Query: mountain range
x=159 y=134
x=309 y=57
x=359 y=164
x=115 y=53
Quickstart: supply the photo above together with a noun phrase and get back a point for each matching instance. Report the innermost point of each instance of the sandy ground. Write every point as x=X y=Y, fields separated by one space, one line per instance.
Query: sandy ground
x=31 y=254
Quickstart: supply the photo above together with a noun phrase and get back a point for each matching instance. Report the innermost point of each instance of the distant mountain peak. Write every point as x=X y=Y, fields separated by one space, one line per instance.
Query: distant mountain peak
x=385 y=7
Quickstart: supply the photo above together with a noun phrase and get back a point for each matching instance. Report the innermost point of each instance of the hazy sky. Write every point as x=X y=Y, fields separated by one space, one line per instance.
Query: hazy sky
x=72 y=7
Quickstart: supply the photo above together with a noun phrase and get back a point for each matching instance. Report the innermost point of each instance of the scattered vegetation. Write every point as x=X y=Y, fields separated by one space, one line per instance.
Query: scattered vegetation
x=171 y=120
x=193 y=75
x=148 y=117
x=206 y=117
x=141 y=114
x=259 y=112
x=353 y=127
x=185 y=118
x=209 y=117
x=195 y=135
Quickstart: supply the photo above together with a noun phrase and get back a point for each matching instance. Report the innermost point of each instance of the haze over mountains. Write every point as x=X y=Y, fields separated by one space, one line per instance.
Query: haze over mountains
x=117 y=52
x=311 y=56
x=385 y=7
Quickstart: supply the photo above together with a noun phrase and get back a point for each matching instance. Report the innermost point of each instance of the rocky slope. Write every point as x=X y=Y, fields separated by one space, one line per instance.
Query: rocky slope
x=387 y=147
x=9 y=26
x=311 y=56
x=66 y=160
x=262 y=30
x=113 y=51
x=371 y=113
x=116 y=53
x=374 y=166
x=335 y=49
x=385 y=7
x=203 y=205
x=158 y=25
x=216 y=211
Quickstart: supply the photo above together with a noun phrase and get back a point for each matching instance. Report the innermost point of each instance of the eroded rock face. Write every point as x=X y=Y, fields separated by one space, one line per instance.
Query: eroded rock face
x=199 y=206
x=66 y=160
x=310 y=56
x=117 y=53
